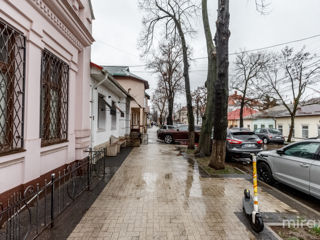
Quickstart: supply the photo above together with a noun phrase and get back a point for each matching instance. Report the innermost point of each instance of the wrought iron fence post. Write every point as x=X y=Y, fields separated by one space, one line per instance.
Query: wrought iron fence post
x=52 y=199
x=90 y=156
x=104 y=162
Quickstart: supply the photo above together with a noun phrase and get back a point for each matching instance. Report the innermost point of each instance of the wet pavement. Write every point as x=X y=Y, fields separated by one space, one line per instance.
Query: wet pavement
x=68 y=220
x=158 y=194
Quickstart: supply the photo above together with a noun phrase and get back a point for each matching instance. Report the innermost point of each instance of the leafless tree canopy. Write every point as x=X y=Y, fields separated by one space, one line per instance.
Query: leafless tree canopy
x=289 y=74
x=161 y=16
x=159 y=101
x=167 y=63
x=263 y=6
x=199 y=97
x=248 y=76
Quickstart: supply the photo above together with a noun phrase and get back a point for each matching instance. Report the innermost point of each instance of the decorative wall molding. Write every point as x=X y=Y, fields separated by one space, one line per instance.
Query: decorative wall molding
x=44 y=9
x=11 y=162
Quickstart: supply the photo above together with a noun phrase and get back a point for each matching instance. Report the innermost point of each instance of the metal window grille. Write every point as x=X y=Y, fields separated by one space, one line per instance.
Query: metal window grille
x=12 y=77
x=54 y=99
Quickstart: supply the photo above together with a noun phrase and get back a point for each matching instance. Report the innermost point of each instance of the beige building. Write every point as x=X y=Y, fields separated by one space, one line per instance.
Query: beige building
x=136 y=87
x=306 y=125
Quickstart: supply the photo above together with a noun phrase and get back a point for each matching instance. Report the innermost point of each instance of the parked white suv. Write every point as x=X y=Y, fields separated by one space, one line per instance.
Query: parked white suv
x=297 y=165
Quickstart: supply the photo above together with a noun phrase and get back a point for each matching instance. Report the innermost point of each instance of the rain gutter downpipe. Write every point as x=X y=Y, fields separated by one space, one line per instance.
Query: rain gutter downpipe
x=95 y=86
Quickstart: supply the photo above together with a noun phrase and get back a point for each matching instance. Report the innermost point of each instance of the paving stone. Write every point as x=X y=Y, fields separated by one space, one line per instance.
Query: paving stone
x=158 y=195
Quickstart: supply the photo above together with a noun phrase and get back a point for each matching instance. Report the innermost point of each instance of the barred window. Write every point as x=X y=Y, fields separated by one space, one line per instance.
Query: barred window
x=12 y=75
x=54 y=99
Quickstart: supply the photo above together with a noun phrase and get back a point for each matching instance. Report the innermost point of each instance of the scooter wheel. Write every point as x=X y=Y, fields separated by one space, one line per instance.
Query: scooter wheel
x=258 y=225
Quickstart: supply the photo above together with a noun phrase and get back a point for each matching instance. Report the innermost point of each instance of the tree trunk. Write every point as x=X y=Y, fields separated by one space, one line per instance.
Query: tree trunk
x=241 y=112
x=207 y=120
x=291 y=128
x=221 y=86
x=170 y=110
x=187 y=85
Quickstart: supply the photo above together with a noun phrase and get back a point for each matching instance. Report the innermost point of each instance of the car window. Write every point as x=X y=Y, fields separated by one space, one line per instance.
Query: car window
x=274 y=131
x=263 y=131
x=163 y=127
x=171 y=127
x=257 y=130
x=183 y=128
x=304 y=150
x=244 y=135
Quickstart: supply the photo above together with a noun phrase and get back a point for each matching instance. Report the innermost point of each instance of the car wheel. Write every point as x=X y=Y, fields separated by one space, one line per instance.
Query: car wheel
x=168 y=139
x=265 y=173
x=265 y=140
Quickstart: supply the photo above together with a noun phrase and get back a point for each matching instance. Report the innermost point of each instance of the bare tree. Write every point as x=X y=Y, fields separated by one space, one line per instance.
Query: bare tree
x=289 y=74
x=217 y=159
x=208 y=118
x=167 y=62
x=159 y=101
x=175 y=16
x=199 y=97
x=247 y=80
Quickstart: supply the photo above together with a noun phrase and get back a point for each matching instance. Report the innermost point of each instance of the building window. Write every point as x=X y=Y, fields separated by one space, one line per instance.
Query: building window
x=248 y=126
x=280 y=128
x=101 y=112
x=319 y=131
x=270 y=126
x=255 y=126
x=12 y=75
x=305 y=131
x=263 y=126
x=54 y=99
x=113 y=116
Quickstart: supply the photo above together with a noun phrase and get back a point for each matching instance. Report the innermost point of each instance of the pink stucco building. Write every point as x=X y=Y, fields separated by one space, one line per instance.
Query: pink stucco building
x=44 y=88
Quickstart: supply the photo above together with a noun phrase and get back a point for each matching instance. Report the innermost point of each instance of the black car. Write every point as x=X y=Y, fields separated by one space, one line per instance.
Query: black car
x=241 y=142
x=269 y=135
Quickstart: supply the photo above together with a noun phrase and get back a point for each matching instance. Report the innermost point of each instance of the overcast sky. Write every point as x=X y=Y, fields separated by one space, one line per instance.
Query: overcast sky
x=118 y=24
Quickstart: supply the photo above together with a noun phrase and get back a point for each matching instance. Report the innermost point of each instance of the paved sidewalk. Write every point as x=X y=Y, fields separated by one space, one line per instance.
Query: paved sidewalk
x=158 y=195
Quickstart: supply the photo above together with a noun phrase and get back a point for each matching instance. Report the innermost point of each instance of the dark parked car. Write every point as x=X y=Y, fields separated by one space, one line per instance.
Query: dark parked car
x=176 y=133
x=241 y=142
x=297 y=165
x=269 y=135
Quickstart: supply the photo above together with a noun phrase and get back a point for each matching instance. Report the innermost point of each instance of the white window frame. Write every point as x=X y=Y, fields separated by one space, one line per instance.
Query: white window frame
x=302 y=130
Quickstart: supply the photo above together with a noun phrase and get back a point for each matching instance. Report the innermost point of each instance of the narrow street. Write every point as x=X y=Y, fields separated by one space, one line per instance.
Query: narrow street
x=157 y=194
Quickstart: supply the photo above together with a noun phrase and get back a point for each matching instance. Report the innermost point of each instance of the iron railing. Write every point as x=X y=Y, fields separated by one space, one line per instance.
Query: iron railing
x=27 y=214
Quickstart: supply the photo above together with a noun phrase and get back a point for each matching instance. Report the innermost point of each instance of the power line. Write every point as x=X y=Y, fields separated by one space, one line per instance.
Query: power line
x=256 y=49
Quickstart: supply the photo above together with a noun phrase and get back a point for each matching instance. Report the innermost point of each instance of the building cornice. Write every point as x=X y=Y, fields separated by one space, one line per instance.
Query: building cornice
x=72 y=33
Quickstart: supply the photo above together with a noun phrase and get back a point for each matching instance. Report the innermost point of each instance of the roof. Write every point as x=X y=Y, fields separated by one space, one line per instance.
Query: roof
x=307 y=110
x=124 y=71
x=98 y=67
x=281 y=111
x=235 y=100
x=235 y=115
x=269 y=113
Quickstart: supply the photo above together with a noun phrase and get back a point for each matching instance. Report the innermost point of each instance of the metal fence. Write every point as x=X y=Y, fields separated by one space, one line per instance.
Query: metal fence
x=28 y=213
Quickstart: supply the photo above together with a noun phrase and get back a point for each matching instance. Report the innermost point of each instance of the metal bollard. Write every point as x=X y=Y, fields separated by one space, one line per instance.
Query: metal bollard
x=255 y=188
